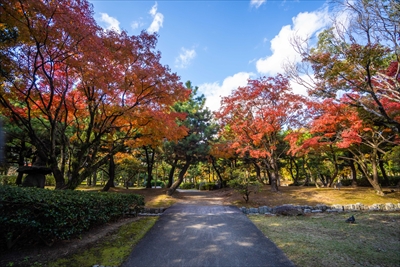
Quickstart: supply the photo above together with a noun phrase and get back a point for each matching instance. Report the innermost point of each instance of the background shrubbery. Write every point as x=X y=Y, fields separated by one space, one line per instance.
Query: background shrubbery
x=158 y=183
x=7 y=179
x=31 y=215
x=199 y=186
x=11 y=180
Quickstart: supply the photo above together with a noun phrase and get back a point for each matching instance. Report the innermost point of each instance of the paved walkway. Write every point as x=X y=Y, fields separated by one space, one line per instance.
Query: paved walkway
x=205 y=235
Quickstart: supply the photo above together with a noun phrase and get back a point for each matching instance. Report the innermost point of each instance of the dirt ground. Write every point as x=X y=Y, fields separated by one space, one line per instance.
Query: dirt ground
x=158 y=198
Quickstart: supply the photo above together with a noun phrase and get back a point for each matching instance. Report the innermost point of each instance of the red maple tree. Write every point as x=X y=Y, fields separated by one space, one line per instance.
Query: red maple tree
x=254 y=117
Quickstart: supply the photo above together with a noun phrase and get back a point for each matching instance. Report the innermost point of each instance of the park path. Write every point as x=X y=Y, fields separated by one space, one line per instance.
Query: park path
x=200 y=232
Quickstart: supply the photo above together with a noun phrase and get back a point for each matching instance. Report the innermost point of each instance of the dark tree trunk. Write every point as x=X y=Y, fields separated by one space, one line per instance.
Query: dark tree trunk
x=333 y=177
x=21 y=162
x=171 y=173
x=111 y=175
x=94 y=179
x=181 y=175
x=373 y=180
x=258 y=172
x=273 y=172
x=353 y=174
x=382 y=169
x=217 y=171
x=295 y=177
x=150 y=162
x=274 y=181
x=322 y=179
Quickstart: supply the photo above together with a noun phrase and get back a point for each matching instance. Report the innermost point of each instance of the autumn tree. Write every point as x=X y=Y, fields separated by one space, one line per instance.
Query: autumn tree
x=132 y=96
x=253 y=119
x=35 y=77
x=359 y=58
x=338 y=126
x=195 y=146
x=91 y=90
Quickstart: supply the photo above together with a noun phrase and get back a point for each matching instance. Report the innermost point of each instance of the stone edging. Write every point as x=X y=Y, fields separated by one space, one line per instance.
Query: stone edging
x=145 y=211
x=290 y=209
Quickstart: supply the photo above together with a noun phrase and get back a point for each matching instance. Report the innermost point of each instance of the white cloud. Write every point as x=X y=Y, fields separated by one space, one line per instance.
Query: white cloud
x=111 y=23
x=185 y=57
x=298 y=88
x=158 y=19
x=257 y=3
x=137 y=24
x=214 y=91
x=304 y=25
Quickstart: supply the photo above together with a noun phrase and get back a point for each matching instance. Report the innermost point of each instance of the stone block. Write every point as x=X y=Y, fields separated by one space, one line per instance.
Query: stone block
x=288 y=210
x=321 y=207
x=253 y=210
x=390 y=206
x=337 y=207
x=316 y=211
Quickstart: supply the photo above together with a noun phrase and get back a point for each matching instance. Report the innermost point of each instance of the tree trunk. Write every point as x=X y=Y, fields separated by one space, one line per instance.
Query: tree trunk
x=171 y=173
x=273 y=171
x=58 y=176
x=382 y=169
x=111 y=175
x=353 y=174
x=274 y=181
x=21 y=162
x=217 y=171
x=334 y=176
x=150 y=162
x=295 y=177
x=372 y=180
x=94 y=180
x=258 y=172
x=181 y=175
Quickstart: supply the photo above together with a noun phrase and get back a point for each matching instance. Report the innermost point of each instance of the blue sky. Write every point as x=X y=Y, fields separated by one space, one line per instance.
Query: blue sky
x=218 y=45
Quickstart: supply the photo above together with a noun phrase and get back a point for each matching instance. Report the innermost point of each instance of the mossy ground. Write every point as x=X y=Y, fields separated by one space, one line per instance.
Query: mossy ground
x=112 y=250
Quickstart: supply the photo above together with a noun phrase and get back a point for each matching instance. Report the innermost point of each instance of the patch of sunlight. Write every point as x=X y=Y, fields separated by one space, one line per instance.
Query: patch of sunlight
x=287 y=244
x=244 y=244
x=161 y=201
x=197 y=226
x=212 y=248
x=217 y=225
x=275 y=224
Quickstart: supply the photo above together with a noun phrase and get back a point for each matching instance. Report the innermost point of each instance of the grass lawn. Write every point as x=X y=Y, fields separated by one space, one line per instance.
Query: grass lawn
x=326 y=240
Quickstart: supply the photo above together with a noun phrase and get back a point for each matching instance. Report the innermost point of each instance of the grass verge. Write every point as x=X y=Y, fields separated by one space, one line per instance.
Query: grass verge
x=113 y=249
x=326 y=240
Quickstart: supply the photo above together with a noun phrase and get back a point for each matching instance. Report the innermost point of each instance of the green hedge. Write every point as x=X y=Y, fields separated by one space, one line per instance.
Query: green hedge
x=159 y=183
x=31 y=215
x=8 y=179
x=187 y=186
x=206 y=186
x=11 y=180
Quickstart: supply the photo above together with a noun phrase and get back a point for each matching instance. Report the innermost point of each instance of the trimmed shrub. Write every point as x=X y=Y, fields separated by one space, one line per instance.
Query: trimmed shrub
x=31 y=215
x=186 y=186
x=207 y=186
x=8 y=179
x=159 y=183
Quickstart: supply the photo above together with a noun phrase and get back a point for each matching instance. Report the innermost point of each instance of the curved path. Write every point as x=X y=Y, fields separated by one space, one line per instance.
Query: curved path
x=199 y=232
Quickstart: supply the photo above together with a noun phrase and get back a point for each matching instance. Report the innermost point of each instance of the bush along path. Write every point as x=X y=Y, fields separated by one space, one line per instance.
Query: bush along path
x=34 y=215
